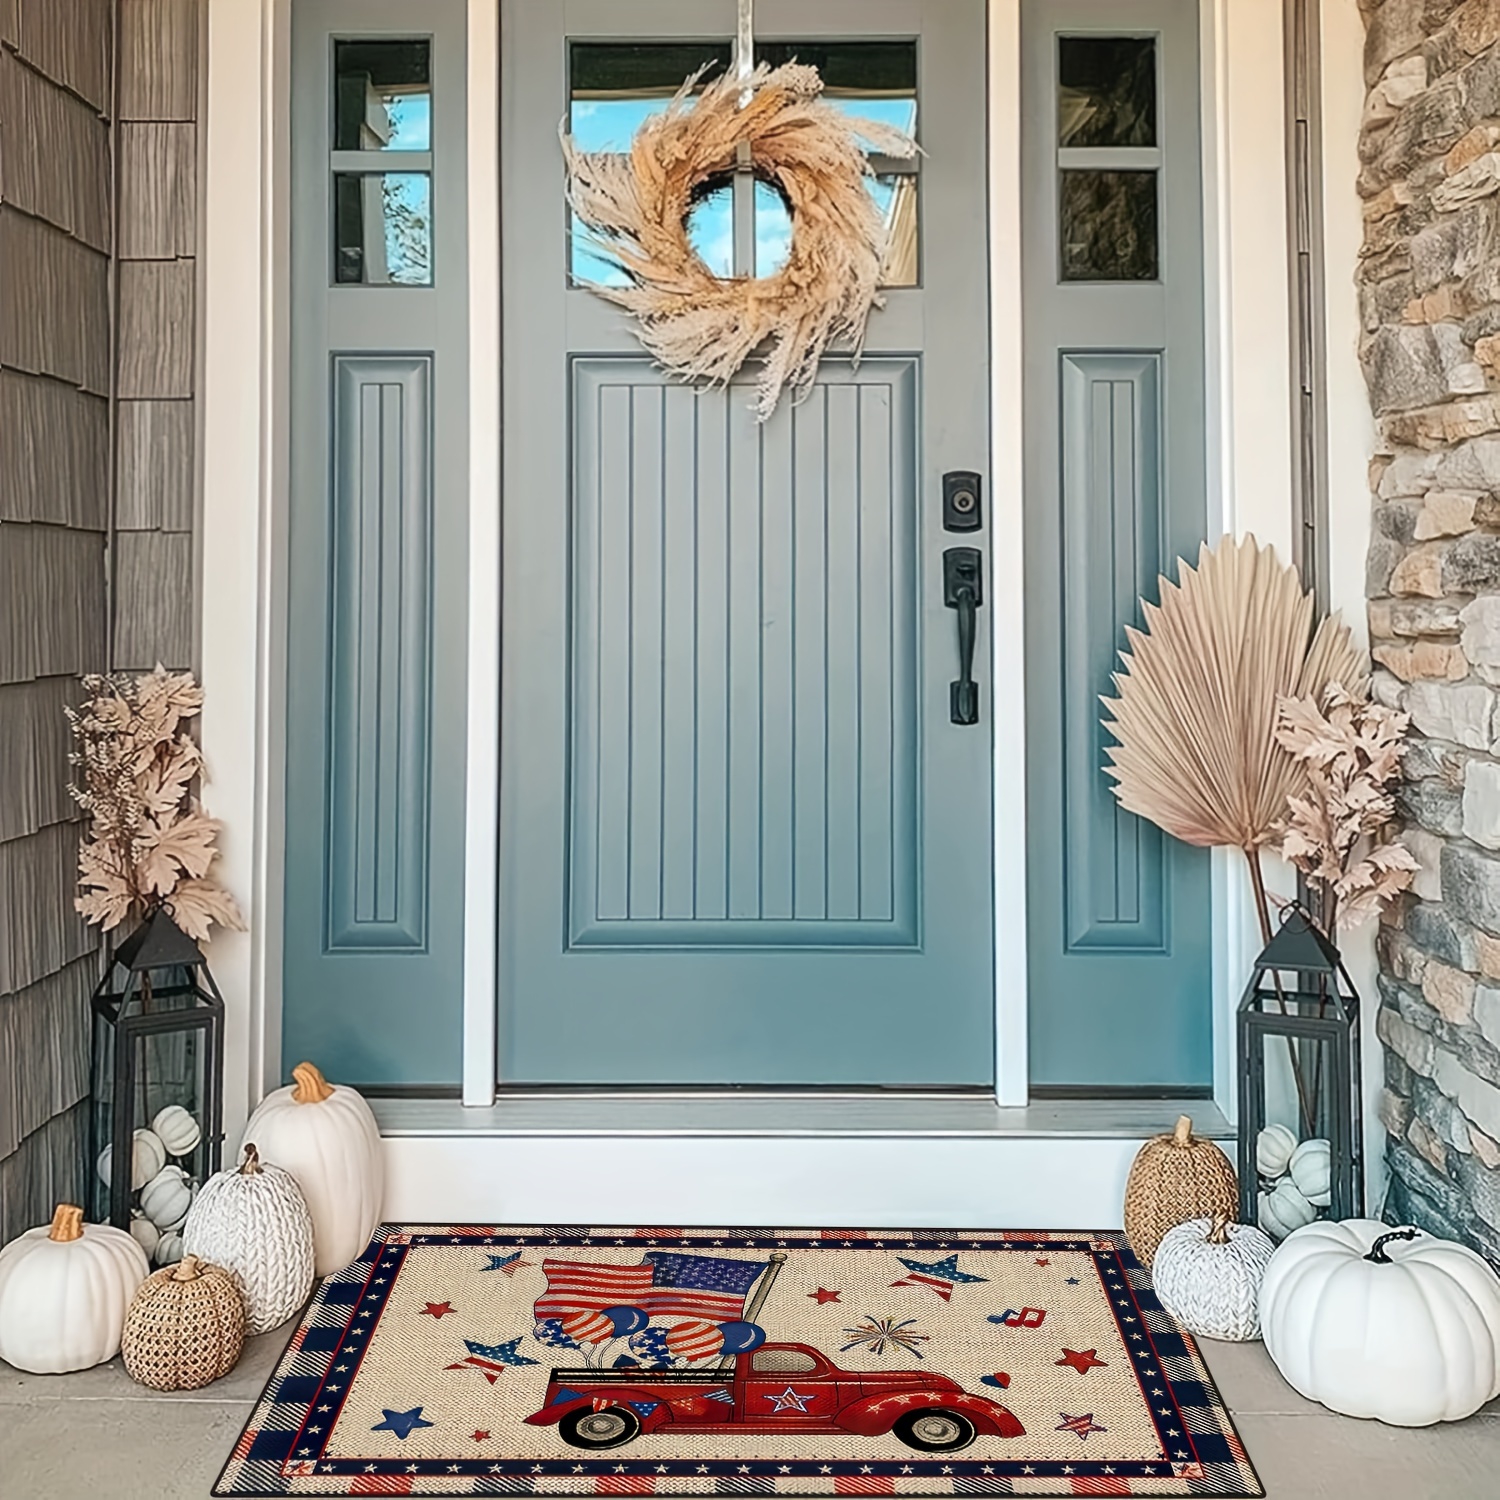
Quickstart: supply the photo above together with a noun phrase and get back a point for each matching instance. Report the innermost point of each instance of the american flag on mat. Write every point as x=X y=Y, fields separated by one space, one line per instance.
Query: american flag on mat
x=664 y=1285
x=589 y=1286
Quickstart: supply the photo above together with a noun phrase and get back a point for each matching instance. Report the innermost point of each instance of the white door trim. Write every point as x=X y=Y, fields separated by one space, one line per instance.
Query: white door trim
x=245 y=405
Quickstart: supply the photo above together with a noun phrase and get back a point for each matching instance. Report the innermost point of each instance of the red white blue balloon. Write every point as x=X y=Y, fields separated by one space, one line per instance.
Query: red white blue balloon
x=741 y=1338
x=626 y=1320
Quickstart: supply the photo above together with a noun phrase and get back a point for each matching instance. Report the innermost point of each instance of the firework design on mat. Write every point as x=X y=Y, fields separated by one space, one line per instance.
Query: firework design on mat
x=879 y=1334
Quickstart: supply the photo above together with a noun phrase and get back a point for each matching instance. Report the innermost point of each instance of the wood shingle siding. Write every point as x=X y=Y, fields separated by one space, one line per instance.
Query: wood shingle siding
x=57 y=204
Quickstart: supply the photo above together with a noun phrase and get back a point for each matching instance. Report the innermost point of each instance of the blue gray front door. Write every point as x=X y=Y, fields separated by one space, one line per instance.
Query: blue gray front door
x=1118 y=913
x=741 y=840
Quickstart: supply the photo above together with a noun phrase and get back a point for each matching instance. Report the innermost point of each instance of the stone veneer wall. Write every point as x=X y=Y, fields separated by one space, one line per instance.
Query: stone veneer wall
x=1429 y=283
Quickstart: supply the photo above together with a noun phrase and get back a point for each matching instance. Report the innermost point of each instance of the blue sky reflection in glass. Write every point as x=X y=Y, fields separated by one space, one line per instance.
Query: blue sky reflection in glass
x=611 y=124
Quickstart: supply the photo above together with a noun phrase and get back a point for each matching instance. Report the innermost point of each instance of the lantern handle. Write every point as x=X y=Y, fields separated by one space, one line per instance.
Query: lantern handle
x=1377 y=1250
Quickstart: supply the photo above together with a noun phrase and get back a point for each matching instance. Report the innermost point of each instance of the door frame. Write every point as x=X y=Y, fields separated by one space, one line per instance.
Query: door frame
x=245 y=413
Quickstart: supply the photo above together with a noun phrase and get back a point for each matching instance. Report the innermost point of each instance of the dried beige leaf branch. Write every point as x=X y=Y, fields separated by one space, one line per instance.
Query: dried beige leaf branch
x=1336 y=830
x=149 y=840
x=1196 y=705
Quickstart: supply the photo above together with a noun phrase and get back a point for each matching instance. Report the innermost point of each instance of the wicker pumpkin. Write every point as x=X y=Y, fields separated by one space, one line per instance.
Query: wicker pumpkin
x=1175 y=1178
x=185 y=1327
x=1208 y=1273
x=253 y=1220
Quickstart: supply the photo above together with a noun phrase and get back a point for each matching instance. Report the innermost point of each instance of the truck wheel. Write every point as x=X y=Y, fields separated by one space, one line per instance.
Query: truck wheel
x=935 y=1430
x=611 y=1428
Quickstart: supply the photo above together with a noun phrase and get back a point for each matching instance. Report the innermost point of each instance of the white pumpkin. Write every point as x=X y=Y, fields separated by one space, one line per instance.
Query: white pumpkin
x=147 y=1157
x=144 y=1232
x=1207 y=1273
x=1273 y=1150
x=326 y=1137
x=165 y=1200
x=178 y=1131
x=64 y=1289
x=1391 y=1324
x=168 y=1249
x=254 y=1222
x=1311 y=1169
x=1284 y=1209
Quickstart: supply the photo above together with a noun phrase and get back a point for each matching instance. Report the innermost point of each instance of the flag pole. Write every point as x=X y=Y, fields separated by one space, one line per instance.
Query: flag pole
x=758 y=1301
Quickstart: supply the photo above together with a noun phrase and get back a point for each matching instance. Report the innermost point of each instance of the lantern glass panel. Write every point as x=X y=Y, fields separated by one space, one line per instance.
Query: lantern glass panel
x=157 y=1044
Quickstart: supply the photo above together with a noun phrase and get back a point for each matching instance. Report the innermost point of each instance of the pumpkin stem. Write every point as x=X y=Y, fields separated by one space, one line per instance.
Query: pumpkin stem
x=186 y=1269
x=1218 y=1231
x=67 y=1223
x=250 y=1167
x=1377 y=1250
x=312 y=1087
x=1183 y=1134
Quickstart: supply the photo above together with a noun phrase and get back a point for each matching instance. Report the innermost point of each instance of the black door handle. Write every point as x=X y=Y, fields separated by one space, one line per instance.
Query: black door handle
x=963 y=590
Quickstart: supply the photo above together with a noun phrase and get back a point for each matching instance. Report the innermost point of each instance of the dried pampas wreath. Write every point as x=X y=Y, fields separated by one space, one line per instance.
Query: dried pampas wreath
x=703 y=327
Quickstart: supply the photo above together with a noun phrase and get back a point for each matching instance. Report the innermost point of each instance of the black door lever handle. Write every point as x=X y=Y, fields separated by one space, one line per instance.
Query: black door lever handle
x=963 y=590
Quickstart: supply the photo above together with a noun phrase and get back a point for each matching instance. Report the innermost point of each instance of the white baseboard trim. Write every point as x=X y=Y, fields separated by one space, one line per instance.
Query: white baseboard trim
x=1014 y=1182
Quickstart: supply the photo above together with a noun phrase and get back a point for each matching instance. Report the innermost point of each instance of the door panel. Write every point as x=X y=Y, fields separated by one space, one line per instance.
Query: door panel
x=1118 y=914
x=743 y=709
x=741 y=842
x=372 y=960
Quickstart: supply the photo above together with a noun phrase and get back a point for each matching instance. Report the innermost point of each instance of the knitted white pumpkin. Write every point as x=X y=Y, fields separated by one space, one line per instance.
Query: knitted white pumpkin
x=166 y=1199
x=177 y=1130
x=1208 y=1272
x=254 y=1222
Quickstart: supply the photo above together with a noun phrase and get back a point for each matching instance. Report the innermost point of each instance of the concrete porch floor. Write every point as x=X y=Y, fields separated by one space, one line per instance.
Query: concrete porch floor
x=98 y=1434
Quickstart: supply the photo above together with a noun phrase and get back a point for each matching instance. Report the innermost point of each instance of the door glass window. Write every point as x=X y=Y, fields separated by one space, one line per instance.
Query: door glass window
x=1109 y=158
x=614 y=86
x=783 y=1362
x=381 y=160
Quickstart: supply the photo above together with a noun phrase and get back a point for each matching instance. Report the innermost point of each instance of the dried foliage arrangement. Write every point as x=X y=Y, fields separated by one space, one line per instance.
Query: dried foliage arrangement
x=149 y=841
x=1337 y=830
x=1196 y=711
x=703 y=327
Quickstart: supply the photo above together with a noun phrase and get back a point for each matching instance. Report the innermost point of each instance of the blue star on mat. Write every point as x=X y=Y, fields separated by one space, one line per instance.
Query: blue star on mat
x=1081 y=1425
x=505 y=1353
x=508 y=1264
x=402 y=1423
x=939 y=1276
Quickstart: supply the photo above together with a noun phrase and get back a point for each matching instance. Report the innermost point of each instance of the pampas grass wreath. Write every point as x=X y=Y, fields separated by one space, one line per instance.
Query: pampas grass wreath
x=702 y=327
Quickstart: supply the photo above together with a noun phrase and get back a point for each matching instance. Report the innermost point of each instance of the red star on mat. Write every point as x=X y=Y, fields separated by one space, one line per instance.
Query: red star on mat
x=481 y=1437
x=823 y=1295
x=1081 y=1360
x=1042 y=1260
x=438 y=1309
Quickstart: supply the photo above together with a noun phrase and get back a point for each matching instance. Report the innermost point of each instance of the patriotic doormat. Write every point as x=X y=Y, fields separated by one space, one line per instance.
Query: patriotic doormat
x=480 y=1360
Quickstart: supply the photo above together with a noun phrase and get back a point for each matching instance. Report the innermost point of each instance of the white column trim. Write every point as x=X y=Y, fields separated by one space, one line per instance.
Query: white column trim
x=481 y=998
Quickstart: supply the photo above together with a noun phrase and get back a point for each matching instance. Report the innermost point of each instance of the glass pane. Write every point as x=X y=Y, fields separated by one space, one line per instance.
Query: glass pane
x=1108 y=226
x=617 y=85
x=383 y=228
x=382 y=96
x=1106 y=92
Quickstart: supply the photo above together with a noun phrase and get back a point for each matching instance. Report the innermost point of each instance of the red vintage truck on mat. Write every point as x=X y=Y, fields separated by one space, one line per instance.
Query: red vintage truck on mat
x=778 y=1388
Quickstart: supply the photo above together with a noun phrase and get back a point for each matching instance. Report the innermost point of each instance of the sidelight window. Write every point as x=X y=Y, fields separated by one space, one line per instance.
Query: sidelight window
x=1109 y=158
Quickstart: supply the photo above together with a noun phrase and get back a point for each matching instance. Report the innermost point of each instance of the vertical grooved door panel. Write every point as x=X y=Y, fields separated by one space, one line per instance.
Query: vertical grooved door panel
x=379 y=677
x=1112 y=554
x=742 y=666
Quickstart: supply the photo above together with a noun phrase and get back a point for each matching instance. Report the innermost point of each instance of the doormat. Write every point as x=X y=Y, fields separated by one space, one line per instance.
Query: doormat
x=491 y=1360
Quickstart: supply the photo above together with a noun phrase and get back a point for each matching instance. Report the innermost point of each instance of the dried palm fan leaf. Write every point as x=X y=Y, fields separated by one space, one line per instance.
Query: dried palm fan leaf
x=1196 y=711
x=703 y=327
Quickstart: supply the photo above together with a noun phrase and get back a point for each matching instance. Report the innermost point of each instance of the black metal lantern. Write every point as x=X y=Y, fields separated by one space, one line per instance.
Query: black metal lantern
x=1299 y=1061
x=158 y=1043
